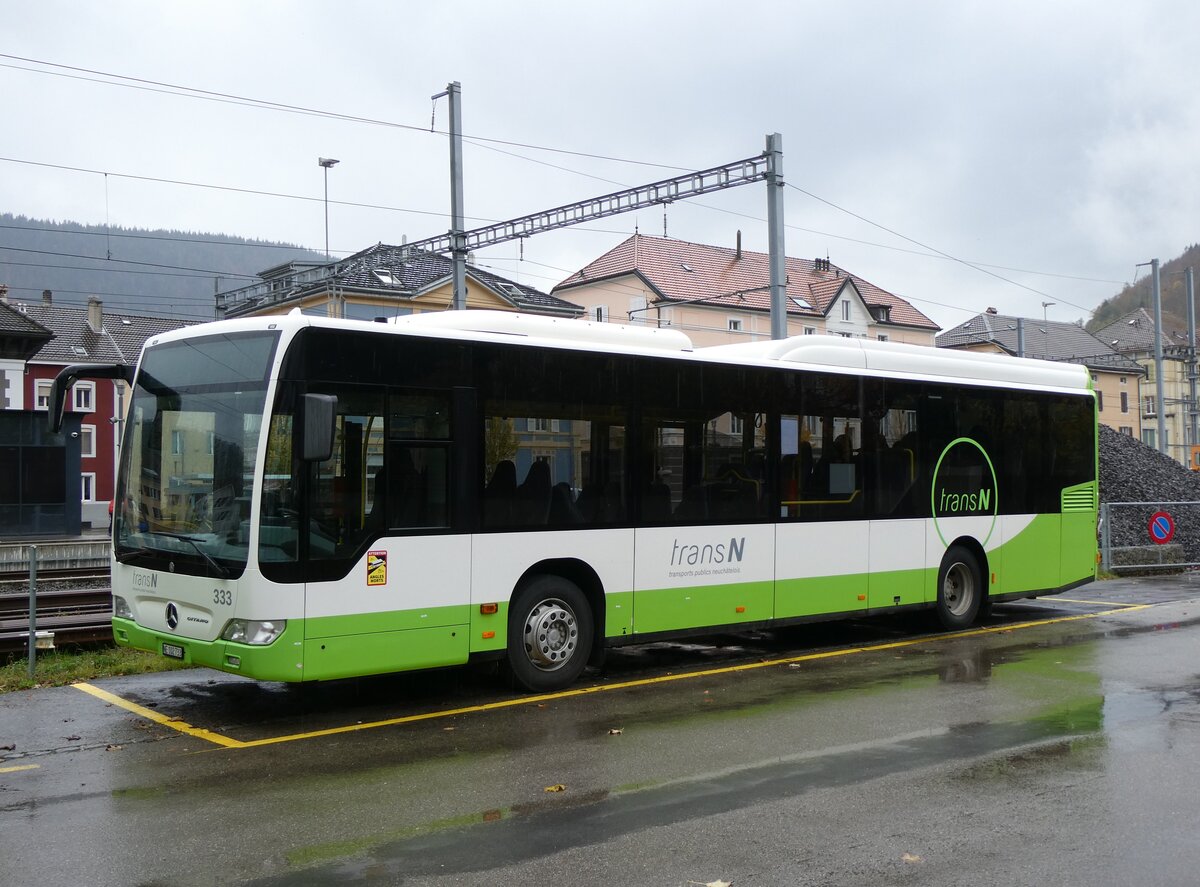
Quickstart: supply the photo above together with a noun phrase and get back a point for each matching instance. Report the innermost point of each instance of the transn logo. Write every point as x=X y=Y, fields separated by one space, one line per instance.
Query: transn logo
x=964 y=485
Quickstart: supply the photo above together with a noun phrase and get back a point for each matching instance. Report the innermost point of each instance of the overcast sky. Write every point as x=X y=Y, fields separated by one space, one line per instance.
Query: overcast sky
x=1055 y=143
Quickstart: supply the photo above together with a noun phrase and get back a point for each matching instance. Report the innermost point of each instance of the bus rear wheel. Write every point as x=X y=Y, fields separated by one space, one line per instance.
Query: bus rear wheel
x=549 y=634
x=960 y=588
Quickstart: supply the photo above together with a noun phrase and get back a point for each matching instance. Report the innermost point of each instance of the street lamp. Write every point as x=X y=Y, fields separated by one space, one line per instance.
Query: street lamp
x=326 y=163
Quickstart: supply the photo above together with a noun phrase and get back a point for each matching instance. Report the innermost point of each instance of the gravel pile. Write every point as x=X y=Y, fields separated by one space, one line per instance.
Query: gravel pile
x=1130 y=471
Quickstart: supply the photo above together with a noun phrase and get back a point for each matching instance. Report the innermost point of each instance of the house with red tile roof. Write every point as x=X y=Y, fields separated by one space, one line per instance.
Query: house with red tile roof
x=719 y=295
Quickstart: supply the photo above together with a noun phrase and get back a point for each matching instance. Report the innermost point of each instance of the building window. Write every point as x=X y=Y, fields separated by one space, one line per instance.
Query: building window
x=1123 y=380
x=600 y=314
x=1148 y=437
x=845 y=309
x=87 y=441
x=1093 y=375
x=176 y=443
x=1100 y=401
x=735 y=325
x=85 y=396
x=882 y=337
x=41 y=393
x=1124 y=401
x=1126 y=429
x=1148 y=405
x=736 y=424
x=87 y=486
x=810 y=331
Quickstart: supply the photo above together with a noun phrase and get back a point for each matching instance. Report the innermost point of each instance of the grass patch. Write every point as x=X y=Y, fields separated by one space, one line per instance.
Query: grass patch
x=58 y=667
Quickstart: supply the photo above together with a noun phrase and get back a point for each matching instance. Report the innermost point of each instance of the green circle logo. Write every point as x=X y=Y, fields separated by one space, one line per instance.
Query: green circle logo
x=964 y=485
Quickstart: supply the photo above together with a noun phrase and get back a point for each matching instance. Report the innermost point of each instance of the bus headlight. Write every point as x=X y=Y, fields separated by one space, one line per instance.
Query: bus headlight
x=121 y=608
x=250 y=631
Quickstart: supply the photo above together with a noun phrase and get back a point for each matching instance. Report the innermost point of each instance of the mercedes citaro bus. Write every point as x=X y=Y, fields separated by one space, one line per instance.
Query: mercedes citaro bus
x=304 y=499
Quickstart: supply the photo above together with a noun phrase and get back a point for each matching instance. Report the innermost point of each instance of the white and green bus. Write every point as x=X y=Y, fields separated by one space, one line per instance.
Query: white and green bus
x=305 y=499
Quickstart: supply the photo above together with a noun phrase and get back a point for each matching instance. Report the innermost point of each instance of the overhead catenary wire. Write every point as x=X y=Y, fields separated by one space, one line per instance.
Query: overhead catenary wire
x=120 y=303
x=149 y=85
x=114 y=79
x=205 y=271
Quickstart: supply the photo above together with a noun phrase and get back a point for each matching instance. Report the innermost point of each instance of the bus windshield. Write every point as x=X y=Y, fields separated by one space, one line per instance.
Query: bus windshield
x=183 y=497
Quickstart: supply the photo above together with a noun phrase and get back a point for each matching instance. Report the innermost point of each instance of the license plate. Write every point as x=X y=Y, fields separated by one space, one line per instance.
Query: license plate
x=173 y=650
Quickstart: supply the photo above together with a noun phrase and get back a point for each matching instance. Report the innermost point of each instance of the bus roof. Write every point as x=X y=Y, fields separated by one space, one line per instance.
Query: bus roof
x=812 y=352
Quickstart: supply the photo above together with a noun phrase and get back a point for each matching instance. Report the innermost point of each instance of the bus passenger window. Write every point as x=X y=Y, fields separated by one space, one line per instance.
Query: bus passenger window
x=412 y=488
x=552 y=470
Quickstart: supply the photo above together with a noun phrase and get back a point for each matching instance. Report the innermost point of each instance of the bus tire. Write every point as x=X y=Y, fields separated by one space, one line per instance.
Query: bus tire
x=549 y=634
x=960 y=589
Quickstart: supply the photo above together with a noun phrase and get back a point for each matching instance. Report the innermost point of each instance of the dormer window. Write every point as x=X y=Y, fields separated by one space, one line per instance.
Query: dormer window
x=883 y=313
x=387 y=278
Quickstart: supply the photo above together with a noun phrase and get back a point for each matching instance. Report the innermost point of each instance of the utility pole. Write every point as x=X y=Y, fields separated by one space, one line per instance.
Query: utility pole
x=458 y=247
x=1158 y=360
x=1193 y=407
x=776 y=258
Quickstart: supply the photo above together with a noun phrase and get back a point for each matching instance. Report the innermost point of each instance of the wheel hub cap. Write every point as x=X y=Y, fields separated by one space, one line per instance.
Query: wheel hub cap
x=551 y=635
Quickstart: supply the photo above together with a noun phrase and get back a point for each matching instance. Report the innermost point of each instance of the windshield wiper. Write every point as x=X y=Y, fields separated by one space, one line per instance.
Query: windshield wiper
x=129 y=554
x=221 y=571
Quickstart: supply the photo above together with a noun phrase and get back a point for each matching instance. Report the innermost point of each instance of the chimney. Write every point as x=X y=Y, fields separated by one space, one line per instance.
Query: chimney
x=992 y=311
x=4 y=293
x=739 y=244
x=95 y=314
x=47 y=298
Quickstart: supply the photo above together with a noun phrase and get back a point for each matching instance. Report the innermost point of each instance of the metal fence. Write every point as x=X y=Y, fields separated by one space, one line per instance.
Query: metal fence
x=1149 y=536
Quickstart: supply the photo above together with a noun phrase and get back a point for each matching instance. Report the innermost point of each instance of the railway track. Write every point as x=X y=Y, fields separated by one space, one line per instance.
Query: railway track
x=72 y=574
x=75 y=615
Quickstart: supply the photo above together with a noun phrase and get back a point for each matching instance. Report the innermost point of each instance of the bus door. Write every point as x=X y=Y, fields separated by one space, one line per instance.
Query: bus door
x=388 y=587
x=897 y=497
x=822 y=540
x=704 y=549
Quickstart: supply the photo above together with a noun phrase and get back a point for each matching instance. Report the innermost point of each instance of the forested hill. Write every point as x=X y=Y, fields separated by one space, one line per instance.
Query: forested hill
x=155 y=272
x=1174 y=294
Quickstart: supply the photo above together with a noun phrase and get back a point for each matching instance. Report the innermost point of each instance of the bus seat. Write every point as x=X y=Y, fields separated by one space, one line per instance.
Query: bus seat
x=533 y=496
x=563 y=512
x=500 y=494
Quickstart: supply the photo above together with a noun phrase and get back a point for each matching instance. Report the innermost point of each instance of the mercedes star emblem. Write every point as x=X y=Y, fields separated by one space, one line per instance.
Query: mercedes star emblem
x=172 y=617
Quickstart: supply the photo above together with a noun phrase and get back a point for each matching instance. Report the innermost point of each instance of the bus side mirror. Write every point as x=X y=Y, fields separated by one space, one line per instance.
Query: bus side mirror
x=319 y=413
x=66 y=378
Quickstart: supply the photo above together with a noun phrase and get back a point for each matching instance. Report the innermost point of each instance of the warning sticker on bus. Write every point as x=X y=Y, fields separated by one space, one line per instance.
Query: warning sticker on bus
x=376 y=568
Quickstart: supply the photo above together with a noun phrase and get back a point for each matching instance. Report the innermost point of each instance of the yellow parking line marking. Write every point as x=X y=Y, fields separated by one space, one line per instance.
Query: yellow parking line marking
x=19 y=769
x=684 y=676
x=1068 y=600
x=158 y=717
x=227 y=742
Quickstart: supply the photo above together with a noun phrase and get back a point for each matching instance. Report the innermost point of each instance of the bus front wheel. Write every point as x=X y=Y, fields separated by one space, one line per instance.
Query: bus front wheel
x=960 y=588
x=549 y=633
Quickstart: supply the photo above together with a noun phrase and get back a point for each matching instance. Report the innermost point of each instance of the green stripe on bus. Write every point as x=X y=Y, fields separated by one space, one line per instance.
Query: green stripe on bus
x=667 y=609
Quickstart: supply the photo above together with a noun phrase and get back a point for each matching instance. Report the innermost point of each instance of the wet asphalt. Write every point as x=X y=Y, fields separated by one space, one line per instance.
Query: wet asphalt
x=1059 y=744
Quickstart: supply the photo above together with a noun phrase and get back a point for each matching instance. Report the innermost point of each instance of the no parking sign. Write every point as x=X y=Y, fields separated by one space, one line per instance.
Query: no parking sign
x=1162 y=528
